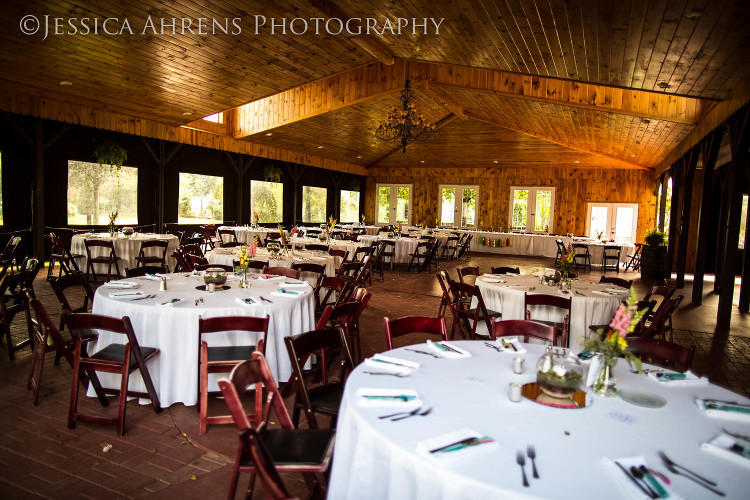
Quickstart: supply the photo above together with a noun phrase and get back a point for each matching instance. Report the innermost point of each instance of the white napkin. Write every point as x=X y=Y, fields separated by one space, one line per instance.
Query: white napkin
x=127 y=295
x=291 y=284
x=171 y=303
x=594 y=368
x=288 y=293
x=512 y=341
x=599 y=292
x=403 y=398
x=733 y=448
x=121 y=284
x=628 y=487
x=487 y=279
x=270 y=277
x=156 y=277
x=617 y=290
x=676 y=379
x=446 y=350
x=478 y=445
x=722 y=409
x=391 y=364
x=248 y=301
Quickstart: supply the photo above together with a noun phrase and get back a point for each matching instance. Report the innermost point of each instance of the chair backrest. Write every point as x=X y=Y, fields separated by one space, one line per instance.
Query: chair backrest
x=45 y=323
x=464 y=294
x=257 y=264
x=307 y=267
x=197 y=261
x=203 y=267
x=339 y=253
x=108 y=244
x=622 y=283
x=318 y=247
x=344 y=314
x=612 y=251
x=248 y=324
x=283 y=271
x=66 y=281
x=561 y=247
x=191 y=249
x=526 y=329
x=445 y=281
x=580 y=248
x=414 y=324
x=80 y=324
x=179 y=234
x=361 y=252
x=332 y=284
x=467 y=271
x=349 y=270
x=182 y=263
x=144 y=270
x=231 y=235
x=506 y=270
x=463 y=246
x=663 y=291
x=661 y=316
x=668 y=353
x=541 y=299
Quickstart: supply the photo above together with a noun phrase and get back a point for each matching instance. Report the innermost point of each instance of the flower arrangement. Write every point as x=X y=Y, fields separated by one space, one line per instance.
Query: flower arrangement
x=243 y=260
x=294 y=230
x=331 y=223
x=363 y=219
x=282 y=233
x=111 y=226
x=567 y=262
x=256 y=218
x=599 y=235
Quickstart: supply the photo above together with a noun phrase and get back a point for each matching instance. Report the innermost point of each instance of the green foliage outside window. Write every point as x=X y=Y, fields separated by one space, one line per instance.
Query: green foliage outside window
x=520 y=207
x=200 y=199
x=95 y=191
x=267 y=199
x=314 y=203
x=349 y=209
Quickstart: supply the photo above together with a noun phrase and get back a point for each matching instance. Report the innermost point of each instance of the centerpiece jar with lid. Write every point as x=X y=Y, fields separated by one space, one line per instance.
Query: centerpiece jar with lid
x=215 y=275
x=559 y=375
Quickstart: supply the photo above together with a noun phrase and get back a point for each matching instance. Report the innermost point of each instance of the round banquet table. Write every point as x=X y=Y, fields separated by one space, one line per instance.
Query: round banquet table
x=174 y=329
x=333 y=244
x=378 y=458
x=404 y=247
x=592 y=304
x=246 y=235
x=126 y=248
x=227 y=256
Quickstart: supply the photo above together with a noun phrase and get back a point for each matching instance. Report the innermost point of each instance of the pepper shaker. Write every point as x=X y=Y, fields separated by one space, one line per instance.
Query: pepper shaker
x=163 y=284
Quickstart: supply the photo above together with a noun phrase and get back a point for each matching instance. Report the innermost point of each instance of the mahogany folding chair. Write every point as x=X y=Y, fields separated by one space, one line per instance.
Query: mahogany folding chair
x=61 y=255
x=555 y=301
x=210 y=238
x=349 y=271
x=622 y=283
x=308 y=271
x=658 y=325
x=467 y=271
x=48 y=338
x=114 y=358
x=312 y=233
x=223 y=359
x=145 y=255
x=108 y=258
x=145 y=270
x=336 y=291
x=582 y=256
x=182 y=264
x=9 y=308
x=347 y=315
x=562 y=252
x=316 y=247
x=389 y=252
x=420 y=256
x=283 y=271
x=203 y=267
x=308 y=451
x=611 y=258
x=191 y=249
x=663 y=291
x=76 y=283
x=227 y=237
x=634 y=262
x=259 y=265
x=376 y=266
x=179 y=234
x=343 y=254
x=468 y=318
x=506 y=270
x=414 y=325
x=464 y=246
x=449 y=248
x=324 y=398
x=447 y=300
x=664 y=353
x=11 y=255
x=525 y=328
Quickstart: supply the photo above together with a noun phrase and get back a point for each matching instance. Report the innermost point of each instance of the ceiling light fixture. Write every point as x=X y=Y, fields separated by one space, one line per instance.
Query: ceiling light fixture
x=406 y=125
x=320 y=147
x=269 y=134
x=66 y=83
x=187 y=113
x=662 y=85
x=494 y=161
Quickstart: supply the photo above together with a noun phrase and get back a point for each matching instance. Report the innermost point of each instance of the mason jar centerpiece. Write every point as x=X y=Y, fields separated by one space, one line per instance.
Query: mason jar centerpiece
x=215 y=275
x=559 y=376
x=273 y=247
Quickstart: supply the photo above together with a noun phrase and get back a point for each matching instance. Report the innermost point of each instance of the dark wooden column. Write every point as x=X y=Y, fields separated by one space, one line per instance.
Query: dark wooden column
x=296 y=174
x=739 y=137
x=745 y=281
x=336 y=178
x=241 y=166
x=162 y=159
x=724 y=180
x=686 y=201
x=663 y=199
x=674 y=222
x=709 y=153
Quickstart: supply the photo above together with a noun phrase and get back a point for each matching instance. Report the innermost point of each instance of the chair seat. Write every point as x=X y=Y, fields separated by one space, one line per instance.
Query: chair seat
x=490 y=313
x=326 y=398
x=230 y=353
x=115 y=352
x=296 y=447
x=558 y=324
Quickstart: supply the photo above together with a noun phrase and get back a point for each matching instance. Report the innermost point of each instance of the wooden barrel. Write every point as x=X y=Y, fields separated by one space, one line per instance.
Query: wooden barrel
x=653 y=262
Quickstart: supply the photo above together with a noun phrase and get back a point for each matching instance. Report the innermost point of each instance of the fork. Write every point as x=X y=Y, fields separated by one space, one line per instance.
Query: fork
x=673 y=468
x=531 y=452
x=424 y=352
x=419 y=412
x=399 y=374
x=521 y=460
x=149 y=296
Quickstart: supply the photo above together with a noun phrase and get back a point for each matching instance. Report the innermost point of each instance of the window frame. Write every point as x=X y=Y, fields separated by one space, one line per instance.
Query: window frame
x=611 y=218
x=531 y=208
x=223 y=187
x=458 y=207
x=302 y=211
x=341 y=204
x=392 y=211
x=252 y=212
x=103 y=219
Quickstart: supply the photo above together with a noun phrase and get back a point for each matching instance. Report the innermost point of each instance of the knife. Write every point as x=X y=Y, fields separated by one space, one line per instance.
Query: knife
x=446 y=347
x=635 y=481
x=472 y=441
x=509 y=344
x=402 y=397
x=391 y=363
x=265 y=299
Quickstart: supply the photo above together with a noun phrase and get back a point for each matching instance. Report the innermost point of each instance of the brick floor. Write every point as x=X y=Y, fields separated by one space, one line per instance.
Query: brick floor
x=164 y=456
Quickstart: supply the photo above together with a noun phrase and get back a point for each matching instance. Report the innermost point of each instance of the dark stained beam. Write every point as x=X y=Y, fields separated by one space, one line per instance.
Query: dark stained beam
x=686 y=202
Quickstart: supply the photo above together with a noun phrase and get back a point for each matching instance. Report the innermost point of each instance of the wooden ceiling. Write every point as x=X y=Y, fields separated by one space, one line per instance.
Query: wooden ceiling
x=537 y=82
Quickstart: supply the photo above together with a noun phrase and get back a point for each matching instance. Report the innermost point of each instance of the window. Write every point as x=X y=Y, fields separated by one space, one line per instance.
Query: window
x=94 y=192
x=743 y=220
x=349 y=209
x=216 y=118
x=532 y=209
x=615 y=221
x=267 y=200
x=201 y=199
x=314 y=204
x=458 y=210
x=393 y=204
x=667 y=206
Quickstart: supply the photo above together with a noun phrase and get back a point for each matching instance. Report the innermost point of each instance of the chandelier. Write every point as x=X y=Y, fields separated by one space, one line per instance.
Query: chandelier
x=405 y=125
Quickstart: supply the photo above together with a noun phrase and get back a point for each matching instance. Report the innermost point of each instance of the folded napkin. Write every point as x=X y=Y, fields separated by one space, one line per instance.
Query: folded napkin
x=283 y=292
x=320 y=258
x=391 y=364
x=171 y=302
x=730 y=447
x=724 y=409
x=678 y=379
x=403 y=398
x=121 y=284
x=287 y=284
x=600 y=292
x=248 y=301
x=632 y=487
x=488 y=279
x=446 y=350
x=511 y=342
x=269 y=277
x=127 y=295
x=456 y=445
x=156 y=277
x=300 y=258
x=617 y=290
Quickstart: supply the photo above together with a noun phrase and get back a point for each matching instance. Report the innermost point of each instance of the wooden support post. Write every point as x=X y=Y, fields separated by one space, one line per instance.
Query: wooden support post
x=241 y=167
x=686 y=201
x=710 y=152
x=161 y=160
x=336 y=178
x=296 y=175
x=37 y=194
x=723 y=215
x=745 y=281
x=678 y=170
x=663 y=200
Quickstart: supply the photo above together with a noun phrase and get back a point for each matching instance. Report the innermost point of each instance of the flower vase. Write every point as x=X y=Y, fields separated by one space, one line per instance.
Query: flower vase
x=565 y=281
x=604 y=385
x=112 y=230
x=243 y=279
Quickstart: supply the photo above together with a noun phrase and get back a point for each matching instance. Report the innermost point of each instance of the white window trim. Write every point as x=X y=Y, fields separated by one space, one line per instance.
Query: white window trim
x=392 y=212
x=610 y=216
x=532 y=205
x=458 y=187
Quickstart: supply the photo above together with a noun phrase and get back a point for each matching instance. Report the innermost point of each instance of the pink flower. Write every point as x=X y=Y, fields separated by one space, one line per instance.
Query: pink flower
x=622 y=319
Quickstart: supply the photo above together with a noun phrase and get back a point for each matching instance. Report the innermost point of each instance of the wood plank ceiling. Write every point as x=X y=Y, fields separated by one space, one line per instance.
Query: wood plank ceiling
x=522 y=82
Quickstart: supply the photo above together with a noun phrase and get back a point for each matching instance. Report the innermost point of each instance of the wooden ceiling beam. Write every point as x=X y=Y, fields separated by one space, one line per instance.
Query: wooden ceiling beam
x=440 y=124
x=443 y=99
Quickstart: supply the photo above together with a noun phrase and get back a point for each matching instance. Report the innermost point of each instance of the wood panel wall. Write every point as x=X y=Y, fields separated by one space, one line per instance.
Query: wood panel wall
x=574 y=188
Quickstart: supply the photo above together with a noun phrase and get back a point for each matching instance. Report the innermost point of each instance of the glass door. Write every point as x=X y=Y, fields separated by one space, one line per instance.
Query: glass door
x=393 y=204
x=532 y=209
x=614 y=221
x=458 y=206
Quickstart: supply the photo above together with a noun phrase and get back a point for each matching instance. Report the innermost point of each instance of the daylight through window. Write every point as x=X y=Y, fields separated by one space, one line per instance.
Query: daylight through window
x=314 y=202
x=201 y=199
x=95 y=192
x=267 y=200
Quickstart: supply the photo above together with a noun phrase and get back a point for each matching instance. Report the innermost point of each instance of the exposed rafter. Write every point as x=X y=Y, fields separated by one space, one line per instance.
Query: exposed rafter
x=440 y=124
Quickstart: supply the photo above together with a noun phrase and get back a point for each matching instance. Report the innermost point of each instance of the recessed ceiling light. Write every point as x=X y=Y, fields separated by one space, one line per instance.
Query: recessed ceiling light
x=646 y=120
x=320 y=147
x=421 y=161
x=494 y=161
x=576 y=161
x=187 y=113
x=632 y=155
x=269 y=134
x=66 y=83
x=637 y=142
x=694 y=14
x=360 y=156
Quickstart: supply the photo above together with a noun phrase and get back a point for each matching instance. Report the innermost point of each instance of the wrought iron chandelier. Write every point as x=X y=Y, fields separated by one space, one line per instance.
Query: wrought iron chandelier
x=405 y=125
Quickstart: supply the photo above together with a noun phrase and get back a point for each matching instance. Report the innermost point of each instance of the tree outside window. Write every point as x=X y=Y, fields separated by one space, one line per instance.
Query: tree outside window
x=267 y=200
x=349 y=210
x=402 y=205
x=200 y=199
x=96 y=191
x=314 y=204
x=520 y=206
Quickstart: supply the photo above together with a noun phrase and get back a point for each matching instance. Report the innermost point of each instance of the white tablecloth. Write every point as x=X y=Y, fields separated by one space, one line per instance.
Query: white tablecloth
x=126 y=248
x=174 y=329
x=246 y=235
x=587 y=308
x=227 y=256
x=404 y=247
x=377 y=459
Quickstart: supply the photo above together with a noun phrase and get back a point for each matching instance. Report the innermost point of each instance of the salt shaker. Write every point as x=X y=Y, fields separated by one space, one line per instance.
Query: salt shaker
x=515 y=392
x=518 y=365
x=163 y=284
x=211 y=287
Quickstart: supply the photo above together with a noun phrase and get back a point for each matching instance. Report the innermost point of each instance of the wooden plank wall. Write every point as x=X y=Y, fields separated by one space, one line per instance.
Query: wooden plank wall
x=574 y=187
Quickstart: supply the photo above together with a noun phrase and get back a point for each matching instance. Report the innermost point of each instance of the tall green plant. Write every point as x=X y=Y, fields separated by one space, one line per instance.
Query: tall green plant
x=655 y=238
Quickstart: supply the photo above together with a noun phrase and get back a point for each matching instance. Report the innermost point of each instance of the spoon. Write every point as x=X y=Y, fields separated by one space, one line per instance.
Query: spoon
x=639 y=476
x=399 y=374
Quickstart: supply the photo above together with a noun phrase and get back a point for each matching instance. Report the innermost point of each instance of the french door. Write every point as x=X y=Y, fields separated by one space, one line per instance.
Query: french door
x=617 y=221
x=458 y=205
x=393 y=204
x=532 y=209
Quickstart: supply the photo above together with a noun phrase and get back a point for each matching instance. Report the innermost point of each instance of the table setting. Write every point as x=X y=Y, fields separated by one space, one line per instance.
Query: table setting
x=464 y=435
x=228 y=256
x=126 y=247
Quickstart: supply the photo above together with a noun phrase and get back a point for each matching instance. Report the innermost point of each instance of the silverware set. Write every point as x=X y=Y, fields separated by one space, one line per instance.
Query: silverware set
x=493 y=346
x=417 y=412
x=399 y=375
x=149 y=296
x=521 y=461
x=678 y=469
x=424 y=352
